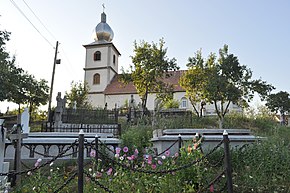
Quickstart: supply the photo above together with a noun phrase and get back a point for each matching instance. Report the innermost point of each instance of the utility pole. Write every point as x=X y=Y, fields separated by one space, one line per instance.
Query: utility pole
x=55 y=61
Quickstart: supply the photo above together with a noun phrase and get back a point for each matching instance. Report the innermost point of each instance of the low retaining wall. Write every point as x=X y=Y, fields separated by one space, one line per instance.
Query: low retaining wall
x=47 y=144
x=162 y=140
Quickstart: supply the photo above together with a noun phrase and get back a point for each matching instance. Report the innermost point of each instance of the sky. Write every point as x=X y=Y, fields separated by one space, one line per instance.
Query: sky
x=257 y=32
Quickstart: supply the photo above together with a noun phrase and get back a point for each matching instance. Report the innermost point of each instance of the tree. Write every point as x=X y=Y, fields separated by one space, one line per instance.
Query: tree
x=9 y=72
x=221 y=81
x=17 y=85
x=150 y=67
x=78 y=95
x=279 y=102
x=37 y=92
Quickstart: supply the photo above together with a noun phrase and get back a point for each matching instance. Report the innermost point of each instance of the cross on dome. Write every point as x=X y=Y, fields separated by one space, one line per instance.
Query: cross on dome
x=103 y=30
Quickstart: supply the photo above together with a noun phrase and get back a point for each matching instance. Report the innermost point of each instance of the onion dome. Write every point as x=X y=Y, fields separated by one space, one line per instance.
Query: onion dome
x=103 y=30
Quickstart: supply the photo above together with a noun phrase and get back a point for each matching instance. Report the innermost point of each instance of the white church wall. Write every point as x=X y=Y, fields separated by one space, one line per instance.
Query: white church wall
x=103 y=80
x=90 y=63
x=111 y=53
x=97 y=100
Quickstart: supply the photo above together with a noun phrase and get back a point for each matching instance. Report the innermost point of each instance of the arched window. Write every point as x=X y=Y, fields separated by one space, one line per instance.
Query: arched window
x=97 y=56
x=183 y=102
x=96 y=79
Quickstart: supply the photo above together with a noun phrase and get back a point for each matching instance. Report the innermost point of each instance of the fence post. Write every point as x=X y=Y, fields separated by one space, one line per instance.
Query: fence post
x=179 y=143
x=228 y=166
x=17 y=162
x=116 y=113
x=119 y=130
x=81 y=162
x=97 y=150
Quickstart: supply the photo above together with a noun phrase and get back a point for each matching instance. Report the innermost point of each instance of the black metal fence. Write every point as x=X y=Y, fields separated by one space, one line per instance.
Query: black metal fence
x=88 y=116
x=80 y=173
x=114 y=129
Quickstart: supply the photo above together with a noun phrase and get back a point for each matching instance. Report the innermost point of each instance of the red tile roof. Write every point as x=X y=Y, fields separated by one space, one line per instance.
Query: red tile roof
x=117 y=87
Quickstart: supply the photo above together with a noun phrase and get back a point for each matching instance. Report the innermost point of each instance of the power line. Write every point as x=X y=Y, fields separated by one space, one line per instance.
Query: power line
x=70 y=67
x=64 y=54
x=15 y=5
x=39 y=19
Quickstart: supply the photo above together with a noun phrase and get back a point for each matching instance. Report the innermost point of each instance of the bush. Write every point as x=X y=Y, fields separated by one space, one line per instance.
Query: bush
x=137 y=137
x=262 y=167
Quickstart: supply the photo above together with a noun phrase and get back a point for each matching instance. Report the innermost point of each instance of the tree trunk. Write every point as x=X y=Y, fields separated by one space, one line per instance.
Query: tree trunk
x=193 y=105
x=144 y=103
x=221 y=122
x=220 y=115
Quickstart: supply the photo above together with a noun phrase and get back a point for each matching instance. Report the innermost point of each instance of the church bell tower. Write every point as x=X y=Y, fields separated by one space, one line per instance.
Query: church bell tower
x=101 y=63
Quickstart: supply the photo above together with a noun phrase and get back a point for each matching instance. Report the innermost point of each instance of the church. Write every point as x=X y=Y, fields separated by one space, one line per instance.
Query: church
x=101 y=74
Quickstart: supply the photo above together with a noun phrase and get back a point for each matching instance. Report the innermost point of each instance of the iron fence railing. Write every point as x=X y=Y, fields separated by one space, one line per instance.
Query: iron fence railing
x=90 y=116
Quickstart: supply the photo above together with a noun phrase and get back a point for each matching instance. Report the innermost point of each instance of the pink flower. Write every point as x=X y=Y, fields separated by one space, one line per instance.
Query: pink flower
x=99 y=175
x=93 y=153
x=159 y=162
x=176 y=155
x=136 y=152
x=118 y=150
x=211 y=188
x=150 y=157
x=149 y=162
x=129 y=158
x=133 y=157
x=109 y=172
x=153 y=166
x=167 y=153
x=37 y=163
x=49 y=177
x=125 y=149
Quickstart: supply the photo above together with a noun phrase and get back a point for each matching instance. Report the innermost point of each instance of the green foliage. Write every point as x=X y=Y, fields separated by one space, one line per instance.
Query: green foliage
x=171 y=104
x=78 y=95
x=279 y=102
x=174 y=122
x=17 y=85
x=46 y=179
x=221 y=81
x=262 y=167
x=204 y=122
x=137 y=136
x=151 y=65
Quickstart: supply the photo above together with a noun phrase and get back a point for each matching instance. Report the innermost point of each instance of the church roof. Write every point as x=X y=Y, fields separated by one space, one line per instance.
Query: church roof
x=117 y=87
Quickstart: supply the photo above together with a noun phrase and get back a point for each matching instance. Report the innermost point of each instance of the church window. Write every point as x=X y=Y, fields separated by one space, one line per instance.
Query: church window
x=183 y=102
x=114 y=59
x=97 y=56
x=96 y=79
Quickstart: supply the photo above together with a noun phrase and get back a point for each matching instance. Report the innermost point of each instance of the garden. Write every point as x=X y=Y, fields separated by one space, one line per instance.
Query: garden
x=133 y=167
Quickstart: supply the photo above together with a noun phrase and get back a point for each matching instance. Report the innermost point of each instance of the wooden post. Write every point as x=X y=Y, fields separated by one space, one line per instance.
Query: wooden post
x=228 y=166
x=52 y=80
x=81 y=162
